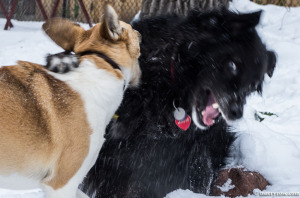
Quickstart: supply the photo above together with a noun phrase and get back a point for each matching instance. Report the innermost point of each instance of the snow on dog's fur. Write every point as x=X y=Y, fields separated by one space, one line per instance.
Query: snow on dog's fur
x=52 y=125
x=207 y=64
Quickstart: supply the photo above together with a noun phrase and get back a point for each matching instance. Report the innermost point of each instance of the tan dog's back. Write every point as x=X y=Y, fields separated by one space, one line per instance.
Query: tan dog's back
x=36 y=117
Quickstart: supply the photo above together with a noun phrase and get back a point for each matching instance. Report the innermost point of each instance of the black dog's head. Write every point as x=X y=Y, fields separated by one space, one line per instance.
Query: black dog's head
x=231 y=62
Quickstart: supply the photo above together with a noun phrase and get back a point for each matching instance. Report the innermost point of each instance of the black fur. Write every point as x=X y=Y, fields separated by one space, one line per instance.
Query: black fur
x=146 y=154
x=184 y=61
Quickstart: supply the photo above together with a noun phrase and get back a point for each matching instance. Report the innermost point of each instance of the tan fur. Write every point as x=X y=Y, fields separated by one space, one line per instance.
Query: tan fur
x=119 y=50
x=41 y=119
x=44 y=131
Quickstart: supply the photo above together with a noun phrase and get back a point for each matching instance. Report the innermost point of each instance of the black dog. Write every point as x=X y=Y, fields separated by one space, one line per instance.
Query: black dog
x=206 y=64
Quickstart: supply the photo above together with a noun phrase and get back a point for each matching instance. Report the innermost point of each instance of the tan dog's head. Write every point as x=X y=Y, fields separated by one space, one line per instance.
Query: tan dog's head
x=112 y=37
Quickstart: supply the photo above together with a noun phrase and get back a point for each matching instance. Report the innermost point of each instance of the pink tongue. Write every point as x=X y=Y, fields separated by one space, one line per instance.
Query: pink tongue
x=210 y=112
x=210 y=115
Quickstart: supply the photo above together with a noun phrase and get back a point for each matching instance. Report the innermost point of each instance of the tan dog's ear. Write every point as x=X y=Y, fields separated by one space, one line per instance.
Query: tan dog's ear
x=111 y=26
x=63 y=32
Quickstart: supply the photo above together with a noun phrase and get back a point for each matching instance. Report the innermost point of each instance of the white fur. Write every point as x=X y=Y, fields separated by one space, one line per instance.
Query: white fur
x=60 y=64
x=196 y=120
x=54 y=62
x=67 y=60
x=74 y=59
x=102 y=94
x=127 y=74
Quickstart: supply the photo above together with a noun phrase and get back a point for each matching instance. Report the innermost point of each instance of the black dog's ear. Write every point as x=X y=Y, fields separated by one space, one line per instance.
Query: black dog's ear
x=271 y=63
x=241 y=22
x=251 y=19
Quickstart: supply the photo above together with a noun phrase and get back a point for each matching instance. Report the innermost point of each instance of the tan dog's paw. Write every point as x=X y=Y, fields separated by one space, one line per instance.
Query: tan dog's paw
x=238 y=182
x=62 y=62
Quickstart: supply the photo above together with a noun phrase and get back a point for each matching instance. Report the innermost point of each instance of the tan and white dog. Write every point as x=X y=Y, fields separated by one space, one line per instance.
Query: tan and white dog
x=52 y=125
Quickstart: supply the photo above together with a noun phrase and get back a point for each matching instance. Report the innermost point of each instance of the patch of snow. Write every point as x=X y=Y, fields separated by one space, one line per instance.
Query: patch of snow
x=185 y=194
x=227 y=186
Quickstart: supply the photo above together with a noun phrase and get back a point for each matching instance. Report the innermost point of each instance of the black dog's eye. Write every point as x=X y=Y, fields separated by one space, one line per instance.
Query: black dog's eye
x=252 y=86
x=232 y=68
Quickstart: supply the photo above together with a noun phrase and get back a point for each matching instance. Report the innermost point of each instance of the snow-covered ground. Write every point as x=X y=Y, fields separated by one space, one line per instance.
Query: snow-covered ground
x=271 y=147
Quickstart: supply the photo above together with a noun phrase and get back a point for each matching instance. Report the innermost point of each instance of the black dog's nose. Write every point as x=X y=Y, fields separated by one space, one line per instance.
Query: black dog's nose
x=235 y=111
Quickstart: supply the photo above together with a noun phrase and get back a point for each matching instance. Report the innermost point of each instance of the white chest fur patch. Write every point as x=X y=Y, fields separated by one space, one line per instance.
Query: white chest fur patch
x=102 y=94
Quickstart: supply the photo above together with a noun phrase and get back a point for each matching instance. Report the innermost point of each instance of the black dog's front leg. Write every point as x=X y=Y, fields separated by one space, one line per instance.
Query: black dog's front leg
x=62 y=62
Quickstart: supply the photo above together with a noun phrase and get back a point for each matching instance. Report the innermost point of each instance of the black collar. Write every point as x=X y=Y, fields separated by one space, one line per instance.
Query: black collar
x=101 y=55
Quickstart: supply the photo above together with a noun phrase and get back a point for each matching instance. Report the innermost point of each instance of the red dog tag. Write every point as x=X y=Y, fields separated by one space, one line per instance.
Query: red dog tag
x=182 y=119
x=184 y=124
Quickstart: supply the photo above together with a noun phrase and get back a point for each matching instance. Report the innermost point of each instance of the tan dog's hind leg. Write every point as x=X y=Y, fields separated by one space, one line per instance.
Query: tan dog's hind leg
x=70 y=173
x=64 y=192
x=70 y=190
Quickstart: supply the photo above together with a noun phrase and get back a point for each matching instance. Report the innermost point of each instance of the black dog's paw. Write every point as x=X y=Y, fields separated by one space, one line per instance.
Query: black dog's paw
x=62 y=62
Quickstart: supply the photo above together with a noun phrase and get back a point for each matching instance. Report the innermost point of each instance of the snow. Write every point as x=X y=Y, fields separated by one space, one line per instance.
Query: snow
x=21 y=194
x=271 y=147
x=226 y=186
